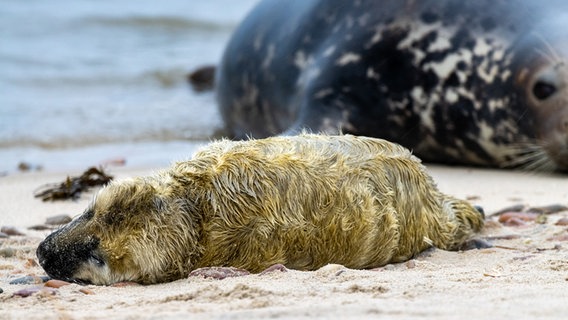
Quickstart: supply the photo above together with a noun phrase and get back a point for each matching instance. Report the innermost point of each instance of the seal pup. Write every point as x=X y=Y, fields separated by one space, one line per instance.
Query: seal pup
x=301 y=201
x=479 y=82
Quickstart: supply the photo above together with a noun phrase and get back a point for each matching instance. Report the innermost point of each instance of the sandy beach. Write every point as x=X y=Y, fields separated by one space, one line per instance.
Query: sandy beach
x=523 y=276
x=109 y=82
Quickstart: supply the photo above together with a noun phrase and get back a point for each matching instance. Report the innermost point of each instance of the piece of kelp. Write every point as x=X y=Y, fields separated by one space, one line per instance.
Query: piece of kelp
x=72 y=187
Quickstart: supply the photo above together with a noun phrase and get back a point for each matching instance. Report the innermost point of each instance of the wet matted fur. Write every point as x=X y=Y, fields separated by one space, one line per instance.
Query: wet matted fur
x=303 y=201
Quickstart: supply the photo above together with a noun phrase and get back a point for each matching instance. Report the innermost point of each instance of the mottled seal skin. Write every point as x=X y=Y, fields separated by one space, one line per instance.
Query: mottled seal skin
x=301 y=201
x=479 y=82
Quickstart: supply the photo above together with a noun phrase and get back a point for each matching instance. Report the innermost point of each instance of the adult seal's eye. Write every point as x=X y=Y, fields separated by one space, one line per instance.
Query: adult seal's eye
x=543 y=90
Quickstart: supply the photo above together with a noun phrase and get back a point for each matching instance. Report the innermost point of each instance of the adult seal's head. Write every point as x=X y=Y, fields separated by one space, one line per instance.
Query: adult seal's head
x=464 y=82
x=543 y=78
x=302 y=201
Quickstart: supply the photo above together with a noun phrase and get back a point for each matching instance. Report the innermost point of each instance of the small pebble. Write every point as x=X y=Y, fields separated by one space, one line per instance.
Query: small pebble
x=388 y=267
x=218 y=273
x=340 y=272
x=541 y=219
x=515 y=222
x=29 y=291
x=514 y=208
x=1 y=290
x=11 y=231
x=53 y=283
x=517 y=218
x=523 y=258
x=58 y=220
x=202 y=79
x=411 y=264
x=553 y=208
x=3 y=235
x=30 y=280
x=86 y=291
x=24 y=166
x=7 y=252
x=562 y=237
x=277 y=267
x=331 y=269
x=525 y=216
x=475 y=243
x=562 y=222
x=40 y=227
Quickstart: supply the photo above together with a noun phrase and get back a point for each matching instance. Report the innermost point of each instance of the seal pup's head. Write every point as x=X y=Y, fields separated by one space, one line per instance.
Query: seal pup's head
x=132 y=231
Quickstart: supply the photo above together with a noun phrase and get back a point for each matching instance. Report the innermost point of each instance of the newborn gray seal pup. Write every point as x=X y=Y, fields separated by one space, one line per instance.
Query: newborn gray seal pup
x=301 y=201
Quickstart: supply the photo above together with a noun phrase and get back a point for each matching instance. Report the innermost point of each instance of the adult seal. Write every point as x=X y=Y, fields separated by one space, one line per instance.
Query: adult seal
x=462 y=82
x=302 y=201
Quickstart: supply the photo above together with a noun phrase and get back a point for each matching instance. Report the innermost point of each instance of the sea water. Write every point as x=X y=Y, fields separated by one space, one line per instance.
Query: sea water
x=87 y=81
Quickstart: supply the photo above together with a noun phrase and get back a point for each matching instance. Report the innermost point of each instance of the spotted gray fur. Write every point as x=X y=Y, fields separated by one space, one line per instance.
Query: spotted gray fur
x=465 y=82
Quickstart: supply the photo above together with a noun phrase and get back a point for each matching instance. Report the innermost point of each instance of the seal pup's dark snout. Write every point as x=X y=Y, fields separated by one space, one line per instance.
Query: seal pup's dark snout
x=61 y=257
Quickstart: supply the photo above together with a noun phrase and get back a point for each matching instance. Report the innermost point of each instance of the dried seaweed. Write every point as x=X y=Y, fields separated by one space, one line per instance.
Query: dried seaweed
x=72 y=187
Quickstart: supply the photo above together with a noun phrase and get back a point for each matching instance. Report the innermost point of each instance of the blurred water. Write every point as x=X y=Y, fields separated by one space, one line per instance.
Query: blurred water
x=82 y=81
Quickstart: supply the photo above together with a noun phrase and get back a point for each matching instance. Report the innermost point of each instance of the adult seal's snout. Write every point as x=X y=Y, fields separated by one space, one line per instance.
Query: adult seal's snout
x=466 y=82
